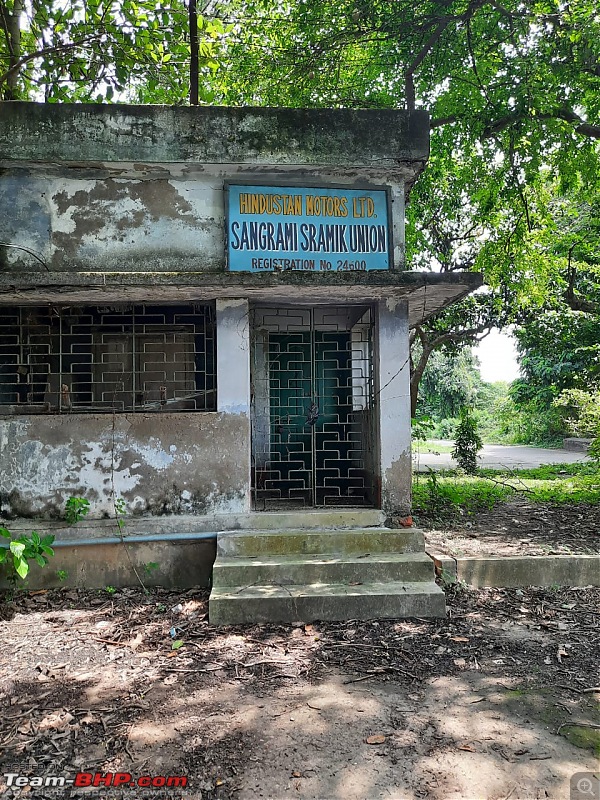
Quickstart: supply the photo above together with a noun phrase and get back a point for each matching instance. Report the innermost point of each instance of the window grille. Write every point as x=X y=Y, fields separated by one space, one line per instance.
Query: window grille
x=136 y=358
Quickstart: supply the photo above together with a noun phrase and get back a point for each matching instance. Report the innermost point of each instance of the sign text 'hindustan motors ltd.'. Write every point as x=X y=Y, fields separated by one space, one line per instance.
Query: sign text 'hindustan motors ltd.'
x=273 y=228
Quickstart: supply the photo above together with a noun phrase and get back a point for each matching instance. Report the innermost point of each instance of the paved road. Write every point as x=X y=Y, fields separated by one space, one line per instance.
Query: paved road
x=497 y=456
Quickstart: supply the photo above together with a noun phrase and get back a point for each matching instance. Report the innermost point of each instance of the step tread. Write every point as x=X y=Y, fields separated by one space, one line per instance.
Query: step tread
x=322 y=558
x=375 y=529
x=257 y=592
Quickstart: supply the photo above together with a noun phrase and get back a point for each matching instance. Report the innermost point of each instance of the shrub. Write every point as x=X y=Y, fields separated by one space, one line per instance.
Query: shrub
x=16 y=557
x=467 y=443
x=580 y=411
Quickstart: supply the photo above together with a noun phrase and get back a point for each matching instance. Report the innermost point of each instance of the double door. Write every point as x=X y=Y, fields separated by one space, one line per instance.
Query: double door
x=312 y=407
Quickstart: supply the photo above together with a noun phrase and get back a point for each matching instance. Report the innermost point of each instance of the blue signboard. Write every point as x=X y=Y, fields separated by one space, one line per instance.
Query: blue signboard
x=277 y=228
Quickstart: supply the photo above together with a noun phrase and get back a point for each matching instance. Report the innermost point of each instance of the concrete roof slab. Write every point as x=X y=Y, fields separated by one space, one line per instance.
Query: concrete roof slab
x=427 y=292
x=96 y=134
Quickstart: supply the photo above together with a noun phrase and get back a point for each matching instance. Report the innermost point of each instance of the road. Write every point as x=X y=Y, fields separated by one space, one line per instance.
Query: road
x=497 y=456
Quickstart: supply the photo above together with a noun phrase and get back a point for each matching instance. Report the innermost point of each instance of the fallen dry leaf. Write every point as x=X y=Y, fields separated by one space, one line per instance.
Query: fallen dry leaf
x=55 y=721
x=467 y=748
x=376 y=738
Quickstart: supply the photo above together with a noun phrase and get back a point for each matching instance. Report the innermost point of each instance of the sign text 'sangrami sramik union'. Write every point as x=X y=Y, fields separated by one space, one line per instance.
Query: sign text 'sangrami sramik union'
x=271 y=228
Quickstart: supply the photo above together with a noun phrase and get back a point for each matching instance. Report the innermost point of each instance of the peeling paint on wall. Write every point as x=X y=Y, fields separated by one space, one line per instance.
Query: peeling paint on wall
x=158 y=463
x=396 y=486
x=112 y=223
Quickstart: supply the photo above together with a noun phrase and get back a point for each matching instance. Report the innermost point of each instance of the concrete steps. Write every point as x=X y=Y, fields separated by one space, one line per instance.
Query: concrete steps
x=320 y=569
x=316 y=542
x=307 y=573
x=326 y=602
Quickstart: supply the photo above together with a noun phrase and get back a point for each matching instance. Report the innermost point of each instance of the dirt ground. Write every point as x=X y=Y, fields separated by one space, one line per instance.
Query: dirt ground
x=516 y=528
x=498 y=700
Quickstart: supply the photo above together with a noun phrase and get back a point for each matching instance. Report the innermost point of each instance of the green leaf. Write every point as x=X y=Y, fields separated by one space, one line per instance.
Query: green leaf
x=177 y=644
x=17 y=549
x=5 y=533
x=21 y=567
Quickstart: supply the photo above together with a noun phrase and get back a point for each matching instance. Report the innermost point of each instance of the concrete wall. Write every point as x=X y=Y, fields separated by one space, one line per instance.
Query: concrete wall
x=177 y=563
x=128 y=188
x=394 y=407
x=117 y=221
x=111 y=223
x=372 y=140
x=162 y=463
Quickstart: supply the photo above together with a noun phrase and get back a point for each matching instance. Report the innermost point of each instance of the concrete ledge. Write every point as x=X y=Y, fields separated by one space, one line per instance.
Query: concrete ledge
x=181 y=564
x=254 y=604
x=179 y=526
x=514 y=571
x=80 y=132
x=445 y=566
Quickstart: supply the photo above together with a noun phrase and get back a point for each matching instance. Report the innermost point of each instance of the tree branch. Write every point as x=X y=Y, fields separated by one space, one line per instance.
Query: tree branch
x=64 y=48
x=421 y=55
x=566 y=114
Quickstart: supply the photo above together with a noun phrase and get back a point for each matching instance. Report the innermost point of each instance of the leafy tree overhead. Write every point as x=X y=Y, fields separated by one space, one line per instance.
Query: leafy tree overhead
x=95 y=51
x=513 y=90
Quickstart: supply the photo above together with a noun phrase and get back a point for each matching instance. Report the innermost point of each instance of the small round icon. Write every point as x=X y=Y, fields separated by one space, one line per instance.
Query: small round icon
x=585 y=786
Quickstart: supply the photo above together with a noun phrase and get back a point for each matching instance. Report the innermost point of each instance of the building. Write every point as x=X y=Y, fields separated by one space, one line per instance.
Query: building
x=204 y=323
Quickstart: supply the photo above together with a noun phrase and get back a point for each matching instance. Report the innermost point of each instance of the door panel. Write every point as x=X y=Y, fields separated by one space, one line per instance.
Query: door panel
x=312 y=408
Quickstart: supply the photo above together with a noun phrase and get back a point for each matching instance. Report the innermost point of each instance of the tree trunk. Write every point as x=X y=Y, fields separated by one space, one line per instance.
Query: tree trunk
x=415 y=378
x=193 y=17
x=14 y=49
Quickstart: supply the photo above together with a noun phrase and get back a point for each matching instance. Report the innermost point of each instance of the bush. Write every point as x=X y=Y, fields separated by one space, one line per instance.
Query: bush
x=580 y=411
x=443 y=495
x=530 y=423
x=16 y=557
x=467 y=443
x=446 y=428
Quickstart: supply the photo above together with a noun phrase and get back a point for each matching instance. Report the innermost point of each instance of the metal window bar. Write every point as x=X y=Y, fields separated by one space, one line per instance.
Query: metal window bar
x=122 y=358
x=312 y=418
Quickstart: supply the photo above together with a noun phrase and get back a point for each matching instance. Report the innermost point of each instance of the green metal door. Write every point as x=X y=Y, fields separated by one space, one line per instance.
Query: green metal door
x=312 y=408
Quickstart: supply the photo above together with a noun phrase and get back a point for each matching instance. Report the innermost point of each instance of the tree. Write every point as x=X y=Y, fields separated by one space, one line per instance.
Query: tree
x=449 y=383
x=92 y=51
x=513 y=89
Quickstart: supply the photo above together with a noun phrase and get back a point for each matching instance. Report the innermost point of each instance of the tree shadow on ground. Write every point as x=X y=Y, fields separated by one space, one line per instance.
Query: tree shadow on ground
x=467 y=706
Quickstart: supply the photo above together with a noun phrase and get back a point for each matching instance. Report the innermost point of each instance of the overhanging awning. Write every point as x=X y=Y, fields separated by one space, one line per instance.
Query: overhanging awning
x=427 y=292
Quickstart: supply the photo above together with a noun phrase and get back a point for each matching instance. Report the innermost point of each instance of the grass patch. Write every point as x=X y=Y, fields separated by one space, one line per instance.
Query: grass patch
x=585 y=738
x=545 y=472
x=451 y=493
x=435 y=448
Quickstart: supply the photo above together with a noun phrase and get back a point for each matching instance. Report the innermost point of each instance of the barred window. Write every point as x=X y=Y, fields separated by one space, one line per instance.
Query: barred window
x=135 y=358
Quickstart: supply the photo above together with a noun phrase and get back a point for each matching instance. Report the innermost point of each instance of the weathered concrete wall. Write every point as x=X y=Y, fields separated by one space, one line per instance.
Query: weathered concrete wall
x=233 y=382
x=394 y=406
x=140 y=188
x=111 y=224
x=383 y=138
x=180 y=564
x=162 y=463
x=115 y=221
